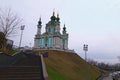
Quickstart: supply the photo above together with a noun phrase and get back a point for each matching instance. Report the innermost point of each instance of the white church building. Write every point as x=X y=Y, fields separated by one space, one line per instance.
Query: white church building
x=52 y=38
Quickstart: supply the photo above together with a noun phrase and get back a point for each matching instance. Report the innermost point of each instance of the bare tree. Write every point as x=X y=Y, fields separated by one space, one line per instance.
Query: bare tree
x=9 y=22
x=93 y=62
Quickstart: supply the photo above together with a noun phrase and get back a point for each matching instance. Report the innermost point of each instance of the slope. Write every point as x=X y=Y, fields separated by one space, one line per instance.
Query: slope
x=68 y=66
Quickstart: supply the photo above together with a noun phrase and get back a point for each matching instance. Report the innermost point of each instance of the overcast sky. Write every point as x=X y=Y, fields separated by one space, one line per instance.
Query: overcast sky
x=92 y=22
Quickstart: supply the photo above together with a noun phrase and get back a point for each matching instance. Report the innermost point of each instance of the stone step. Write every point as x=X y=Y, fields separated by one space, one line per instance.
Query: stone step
x=20 y=73
x=21 y=67
x=20 y=76
x=27 y=67
x=19 y=70
x=34 y=78
x=17 y=74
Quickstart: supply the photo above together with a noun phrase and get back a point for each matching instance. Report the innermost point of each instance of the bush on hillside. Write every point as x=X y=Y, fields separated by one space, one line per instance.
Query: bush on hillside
x=2 y=41
x=3 y=45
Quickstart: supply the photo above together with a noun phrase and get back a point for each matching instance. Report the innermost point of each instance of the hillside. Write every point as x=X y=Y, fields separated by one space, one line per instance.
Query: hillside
x=68 y=66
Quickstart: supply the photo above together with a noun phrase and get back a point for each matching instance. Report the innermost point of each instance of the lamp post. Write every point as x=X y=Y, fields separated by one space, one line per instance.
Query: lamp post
x=85 y=48
x=21 y=28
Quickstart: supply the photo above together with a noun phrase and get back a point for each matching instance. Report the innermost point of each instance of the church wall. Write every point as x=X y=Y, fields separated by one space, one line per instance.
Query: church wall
x=41 y=42
x=54 y=42
x=38 y=31
x=46 y=42
x=65 y=44
x=36 y=43
x=57 y=43
x=61 y=45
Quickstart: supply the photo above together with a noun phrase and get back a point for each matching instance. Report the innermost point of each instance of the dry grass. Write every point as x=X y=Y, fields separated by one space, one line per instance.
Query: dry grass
x=68 y=66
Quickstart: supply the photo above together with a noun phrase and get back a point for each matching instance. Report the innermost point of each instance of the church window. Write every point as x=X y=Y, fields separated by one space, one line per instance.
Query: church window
x=50 y=42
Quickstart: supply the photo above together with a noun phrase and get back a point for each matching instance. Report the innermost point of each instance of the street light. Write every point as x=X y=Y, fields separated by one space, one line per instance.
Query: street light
x=21 y=28
x=85 y=48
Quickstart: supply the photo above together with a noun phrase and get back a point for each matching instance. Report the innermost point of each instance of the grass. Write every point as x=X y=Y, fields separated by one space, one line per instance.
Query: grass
x=54 y=75
x=68 y=66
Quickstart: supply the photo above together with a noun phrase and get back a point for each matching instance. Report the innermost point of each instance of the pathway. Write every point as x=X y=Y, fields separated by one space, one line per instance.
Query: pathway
x=107 y=78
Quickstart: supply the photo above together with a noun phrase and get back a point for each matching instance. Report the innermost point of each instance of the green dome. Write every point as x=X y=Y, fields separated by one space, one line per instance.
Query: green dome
x=57 y=18
x=39 y=22
x=53 y=18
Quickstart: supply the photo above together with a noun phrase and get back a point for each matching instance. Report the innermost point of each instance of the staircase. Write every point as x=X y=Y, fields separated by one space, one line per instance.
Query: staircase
x=28 y=67
x=20 y=73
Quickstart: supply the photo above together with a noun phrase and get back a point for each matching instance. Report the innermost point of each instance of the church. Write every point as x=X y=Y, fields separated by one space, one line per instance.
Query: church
x=52 y=38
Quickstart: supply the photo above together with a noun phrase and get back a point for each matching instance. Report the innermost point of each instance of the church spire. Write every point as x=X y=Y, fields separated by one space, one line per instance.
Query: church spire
x=53 y=13
x=39 y=26
x=39 y=22
x=64 y=29
x=57 y=17
x=53 y=18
